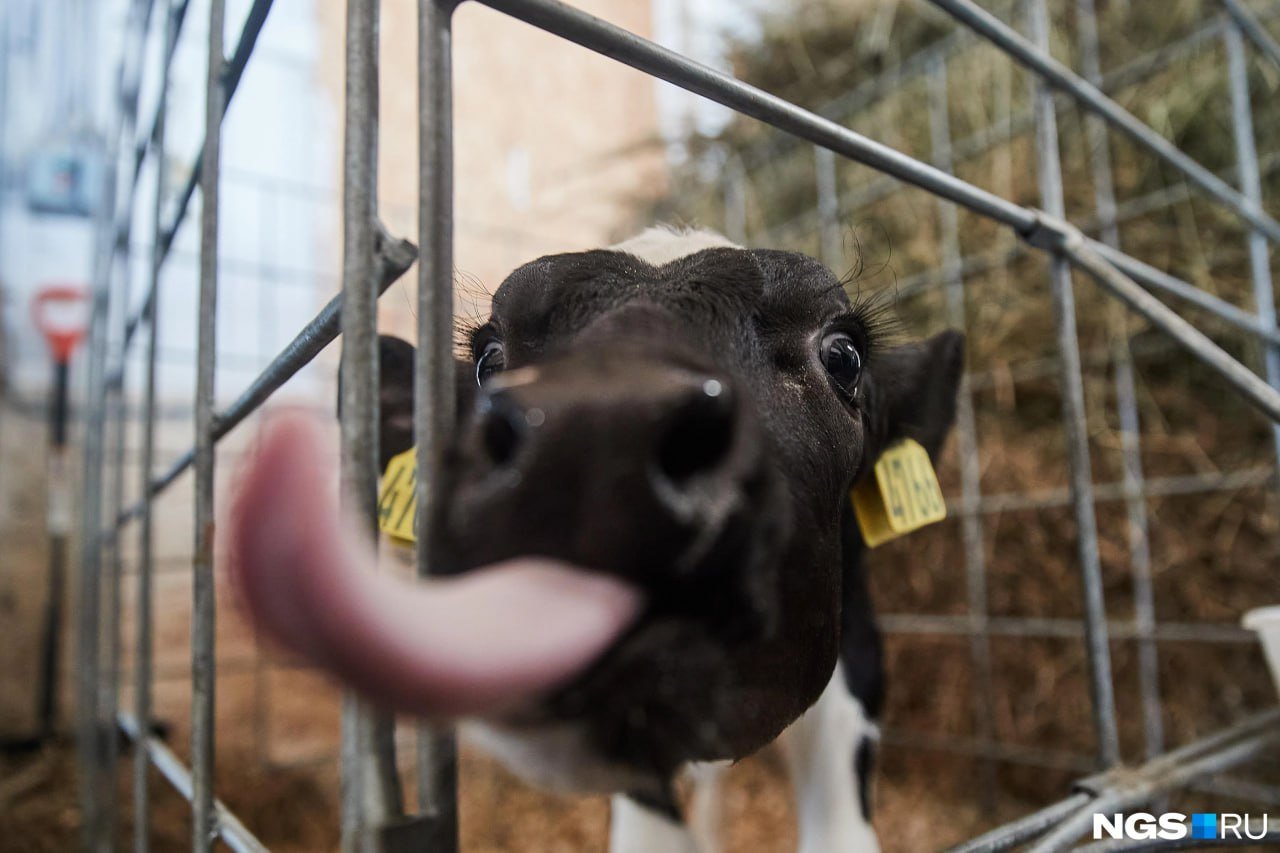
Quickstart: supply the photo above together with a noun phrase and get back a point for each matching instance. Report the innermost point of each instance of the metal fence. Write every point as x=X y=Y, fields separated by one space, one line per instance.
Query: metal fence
x=373 y=815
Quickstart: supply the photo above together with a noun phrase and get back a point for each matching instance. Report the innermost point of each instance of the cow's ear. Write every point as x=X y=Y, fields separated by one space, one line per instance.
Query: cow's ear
x=912 y=394
x=395 y=395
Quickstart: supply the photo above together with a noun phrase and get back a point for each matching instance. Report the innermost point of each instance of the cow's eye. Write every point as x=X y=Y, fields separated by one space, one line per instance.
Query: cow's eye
x=493 y=358
x=840 y=357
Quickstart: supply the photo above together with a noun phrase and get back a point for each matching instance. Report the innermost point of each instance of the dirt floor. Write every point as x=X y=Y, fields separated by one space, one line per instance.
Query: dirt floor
x=296 y=810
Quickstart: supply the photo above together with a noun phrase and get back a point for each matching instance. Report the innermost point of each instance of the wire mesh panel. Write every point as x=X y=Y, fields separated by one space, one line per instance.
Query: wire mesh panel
x=373 y=812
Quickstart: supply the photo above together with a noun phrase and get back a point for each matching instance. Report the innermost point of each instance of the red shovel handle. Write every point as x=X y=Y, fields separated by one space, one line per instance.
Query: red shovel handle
x=60 y=312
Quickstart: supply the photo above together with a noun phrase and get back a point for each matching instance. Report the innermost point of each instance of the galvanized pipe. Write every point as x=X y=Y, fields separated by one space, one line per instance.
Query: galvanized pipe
x=1252 y=27
x=735 y=200
x=1126 y=401
x=1038 y=229
x=1036 y=58
x=1251 y=187
x=831 y=251
x=966 y=433
x=1022 y=830
x=230 y=830
x=393 y=260
x=1090 y=256
x=143 y=647
x=1076 y=431
x=1015 y=627
x=434 y=375
x=230 y=75
x=1241 y=743
x=203 y=673
x=656 y=61
x=92 y=730
x=370 y=788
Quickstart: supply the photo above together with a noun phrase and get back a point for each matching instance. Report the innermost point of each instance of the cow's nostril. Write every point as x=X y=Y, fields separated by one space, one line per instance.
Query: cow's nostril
x=504 y=430
x=699 y=436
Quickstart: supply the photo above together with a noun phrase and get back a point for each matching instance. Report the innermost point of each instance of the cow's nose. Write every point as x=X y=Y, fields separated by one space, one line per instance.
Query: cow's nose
x=696 y=439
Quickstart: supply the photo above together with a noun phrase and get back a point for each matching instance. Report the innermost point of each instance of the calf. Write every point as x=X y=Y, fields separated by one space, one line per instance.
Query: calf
x=646 y=506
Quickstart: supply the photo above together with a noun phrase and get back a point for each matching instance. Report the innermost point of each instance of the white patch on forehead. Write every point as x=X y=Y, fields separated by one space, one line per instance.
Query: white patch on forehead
x=662 y=245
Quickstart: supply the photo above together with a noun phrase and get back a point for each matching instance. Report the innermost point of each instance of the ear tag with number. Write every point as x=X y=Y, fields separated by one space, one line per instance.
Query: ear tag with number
x=398 y=499
x=902 y=495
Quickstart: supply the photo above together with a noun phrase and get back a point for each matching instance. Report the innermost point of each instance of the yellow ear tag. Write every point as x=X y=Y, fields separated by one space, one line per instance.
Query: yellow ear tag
x=902 y=496
x=398 y=499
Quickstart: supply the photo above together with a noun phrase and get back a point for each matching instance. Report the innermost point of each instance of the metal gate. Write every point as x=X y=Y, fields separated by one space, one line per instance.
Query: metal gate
x=372 y=815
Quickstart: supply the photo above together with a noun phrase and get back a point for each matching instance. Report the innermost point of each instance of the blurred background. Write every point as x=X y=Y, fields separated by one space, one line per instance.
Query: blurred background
x=558 y=149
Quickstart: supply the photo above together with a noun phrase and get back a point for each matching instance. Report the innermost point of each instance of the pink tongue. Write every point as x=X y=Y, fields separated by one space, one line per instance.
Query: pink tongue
x=469 y=645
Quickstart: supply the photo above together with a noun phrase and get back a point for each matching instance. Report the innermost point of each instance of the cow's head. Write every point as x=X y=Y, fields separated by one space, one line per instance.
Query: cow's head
x=683 y=432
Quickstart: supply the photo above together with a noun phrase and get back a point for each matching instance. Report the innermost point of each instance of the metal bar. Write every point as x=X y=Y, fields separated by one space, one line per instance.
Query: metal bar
x=1049 y=178
x=393 y=260
x=370 y=788
x=857 y=101
x=146 y=143
x=1126 y=402
x=91 y=728
x=1241 y=789
x=1156 y=279
x=132 y=67
x=982 y=140
x=203 y=674
x=966 y=435
x=1023 y=829
x=229 y=828
x=109 y=636
x=434 y=396
x=735 y=200
x=1147 y=275
x=1091 y=256
x=1251 y=187
x=1134 y=786
x=1122 y=787
x=1055 y=74
x=986 y=138
x=1250 y=26
x=656 y=61
x=230 y=74
x=824 y=168
x=142 y=657
x=1063 y=629
x=1185 y=484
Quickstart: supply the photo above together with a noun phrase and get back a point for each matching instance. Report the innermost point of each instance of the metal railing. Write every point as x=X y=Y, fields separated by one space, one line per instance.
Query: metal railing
x=373 y=812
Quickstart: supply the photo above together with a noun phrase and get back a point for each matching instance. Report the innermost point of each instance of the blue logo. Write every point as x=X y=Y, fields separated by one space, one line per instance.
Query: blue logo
x=1204 y=825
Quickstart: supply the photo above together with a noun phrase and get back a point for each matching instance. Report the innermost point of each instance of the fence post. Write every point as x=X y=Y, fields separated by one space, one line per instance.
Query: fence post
x=434 y=400
x=1144 y=614
x=1049 y=178
x=824 y=166
x=370 y=785
x=1251 y=189
x=93 y=728
x=203 y=674
x=966 y=435
x=735 y=200
x=142 y=657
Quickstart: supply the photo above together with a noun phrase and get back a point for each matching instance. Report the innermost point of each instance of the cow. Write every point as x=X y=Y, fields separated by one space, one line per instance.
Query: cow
x=647 y=560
